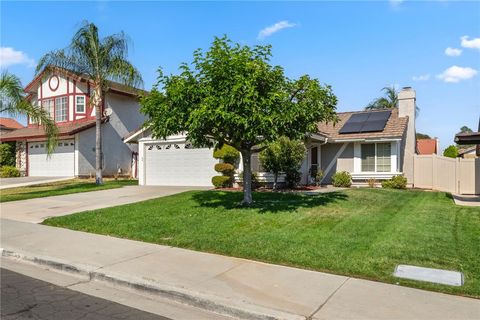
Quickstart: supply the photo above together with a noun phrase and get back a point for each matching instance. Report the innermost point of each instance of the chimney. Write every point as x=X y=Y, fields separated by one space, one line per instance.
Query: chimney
x=406 y=108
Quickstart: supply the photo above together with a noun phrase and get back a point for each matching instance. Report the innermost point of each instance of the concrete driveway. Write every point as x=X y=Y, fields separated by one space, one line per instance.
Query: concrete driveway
x=6 y=183
x=37 y=210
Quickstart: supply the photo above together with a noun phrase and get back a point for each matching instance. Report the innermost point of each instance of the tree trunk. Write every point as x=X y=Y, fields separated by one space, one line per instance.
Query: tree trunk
x=275 y=179
x=247 y=177
x=98 y=136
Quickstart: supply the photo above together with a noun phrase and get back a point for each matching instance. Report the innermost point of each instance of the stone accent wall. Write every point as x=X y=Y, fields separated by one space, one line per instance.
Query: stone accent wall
x=21 y=157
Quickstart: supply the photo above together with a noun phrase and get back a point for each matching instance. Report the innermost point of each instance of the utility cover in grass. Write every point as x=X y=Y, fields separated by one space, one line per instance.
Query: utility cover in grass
x=451 y=278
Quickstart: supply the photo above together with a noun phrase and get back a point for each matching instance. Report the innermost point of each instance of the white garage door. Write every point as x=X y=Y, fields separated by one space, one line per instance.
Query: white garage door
x=178 y=164
x=60 y=164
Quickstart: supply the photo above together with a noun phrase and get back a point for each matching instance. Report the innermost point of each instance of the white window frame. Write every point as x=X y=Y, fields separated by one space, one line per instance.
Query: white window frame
x=51 y=107
x=376 y=157
x=394 y=157
x=77 y=104
x=59 y=115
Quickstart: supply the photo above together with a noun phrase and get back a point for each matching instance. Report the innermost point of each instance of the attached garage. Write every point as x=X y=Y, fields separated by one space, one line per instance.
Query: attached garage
x=177 y=164
x=60 y=163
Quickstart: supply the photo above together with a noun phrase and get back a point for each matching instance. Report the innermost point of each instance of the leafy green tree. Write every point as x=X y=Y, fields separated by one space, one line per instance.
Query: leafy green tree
x=7 y=154
x=465 y=129
x=232 y=95
x=419 y=135
x=101 y=60
x=390 y=100
x=13 y=102
x=451 y=152
x=283 y=155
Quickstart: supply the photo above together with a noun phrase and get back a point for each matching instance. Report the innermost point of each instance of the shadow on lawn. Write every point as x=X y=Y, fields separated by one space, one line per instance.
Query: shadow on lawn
x=264 y=202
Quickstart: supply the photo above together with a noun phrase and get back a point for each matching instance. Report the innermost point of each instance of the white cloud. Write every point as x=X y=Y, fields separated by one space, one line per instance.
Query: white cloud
x=10 y=56
x=455 y=74
x=423 y=77
x=268 y=31
x=473 y=43
x=453 y=52
x=396 y=3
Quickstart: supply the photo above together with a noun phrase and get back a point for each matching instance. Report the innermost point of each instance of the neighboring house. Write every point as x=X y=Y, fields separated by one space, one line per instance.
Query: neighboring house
x=427 y=146
x=66 y=96
x=374 y=144
x=468 y=152
x=8 y=124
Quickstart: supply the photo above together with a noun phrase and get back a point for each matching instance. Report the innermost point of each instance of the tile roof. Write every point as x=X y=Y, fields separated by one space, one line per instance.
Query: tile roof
x=9 y=123
x=33 y=132
x=467 y=150
x=427 y=146
x=394 y=128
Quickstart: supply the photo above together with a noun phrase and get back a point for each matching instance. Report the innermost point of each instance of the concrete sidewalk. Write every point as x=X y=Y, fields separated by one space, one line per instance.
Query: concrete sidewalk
x=39 y=209
x=7 y=183
x=230 y=286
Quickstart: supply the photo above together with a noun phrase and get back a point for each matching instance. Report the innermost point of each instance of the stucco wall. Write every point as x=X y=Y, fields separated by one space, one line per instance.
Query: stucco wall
x=343 y=163
x=125 y=118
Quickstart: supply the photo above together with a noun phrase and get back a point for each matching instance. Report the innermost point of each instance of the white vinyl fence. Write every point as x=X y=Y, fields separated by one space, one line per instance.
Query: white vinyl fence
x=460 y=176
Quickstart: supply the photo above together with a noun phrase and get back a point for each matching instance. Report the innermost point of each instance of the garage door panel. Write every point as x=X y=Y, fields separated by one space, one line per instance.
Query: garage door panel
x=60 y=163
x=179 y=166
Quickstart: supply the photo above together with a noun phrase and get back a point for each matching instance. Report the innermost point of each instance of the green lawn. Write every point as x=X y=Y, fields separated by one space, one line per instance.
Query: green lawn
x=358 y=232
x=59 y=188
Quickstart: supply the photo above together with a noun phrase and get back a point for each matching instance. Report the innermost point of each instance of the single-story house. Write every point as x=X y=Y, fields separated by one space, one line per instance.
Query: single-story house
x=427 y=146
x=368 y=144
x=66 y=97
x=8 y=125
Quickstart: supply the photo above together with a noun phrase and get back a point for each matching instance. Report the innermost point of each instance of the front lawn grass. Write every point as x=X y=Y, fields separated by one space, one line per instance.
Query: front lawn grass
x=60 y=188
x=358 y=232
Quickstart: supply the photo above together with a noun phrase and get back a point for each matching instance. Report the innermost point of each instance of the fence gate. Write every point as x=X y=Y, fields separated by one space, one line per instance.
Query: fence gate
x=456 y=175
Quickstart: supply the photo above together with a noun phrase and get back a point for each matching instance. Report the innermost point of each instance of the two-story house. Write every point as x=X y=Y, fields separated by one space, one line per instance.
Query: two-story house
x=66 y=97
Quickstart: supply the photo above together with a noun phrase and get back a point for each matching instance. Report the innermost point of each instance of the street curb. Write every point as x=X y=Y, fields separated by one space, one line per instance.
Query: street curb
x=214 y=304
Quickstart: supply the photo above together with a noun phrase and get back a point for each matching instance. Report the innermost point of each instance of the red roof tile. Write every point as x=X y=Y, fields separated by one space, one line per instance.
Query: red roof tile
x=10 y=123
x=427 y=146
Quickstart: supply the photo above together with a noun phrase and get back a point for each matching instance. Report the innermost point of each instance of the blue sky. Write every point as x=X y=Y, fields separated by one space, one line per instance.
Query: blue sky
x=357 y=47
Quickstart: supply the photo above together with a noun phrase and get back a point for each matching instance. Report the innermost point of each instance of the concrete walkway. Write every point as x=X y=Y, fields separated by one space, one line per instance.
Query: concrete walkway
x=39 y=209
x=466 y=200
x=230 y=286
x=7 y=183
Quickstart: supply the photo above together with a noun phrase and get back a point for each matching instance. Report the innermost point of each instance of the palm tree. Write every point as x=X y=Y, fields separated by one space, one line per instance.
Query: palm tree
x=99 y=60
x=388 y=102
x=13 y=102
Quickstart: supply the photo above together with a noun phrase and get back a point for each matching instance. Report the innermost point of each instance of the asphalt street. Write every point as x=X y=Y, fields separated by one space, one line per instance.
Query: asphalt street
x=23 y=297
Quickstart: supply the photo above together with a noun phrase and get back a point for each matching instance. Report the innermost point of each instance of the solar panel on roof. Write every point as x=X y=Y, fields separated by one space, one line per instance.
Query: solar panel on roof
x=351 y=127
x=376 y=121
x=373 y=126
x=359 y=117
x=366 y=122
x=379 y=115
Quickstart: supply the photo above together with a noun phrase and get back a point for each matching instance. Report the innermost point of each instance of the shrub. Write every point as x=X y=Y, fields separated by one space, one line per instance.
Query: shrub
x=7 y=154
x=226 y=169
x=283 y=155
x=342 y=179
x=226 y=153
x=319 y=176
x=221 y=181
x=372 y=182
x=451 y=152
x=9 y=172
x=292 y=178
x=396 y=182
